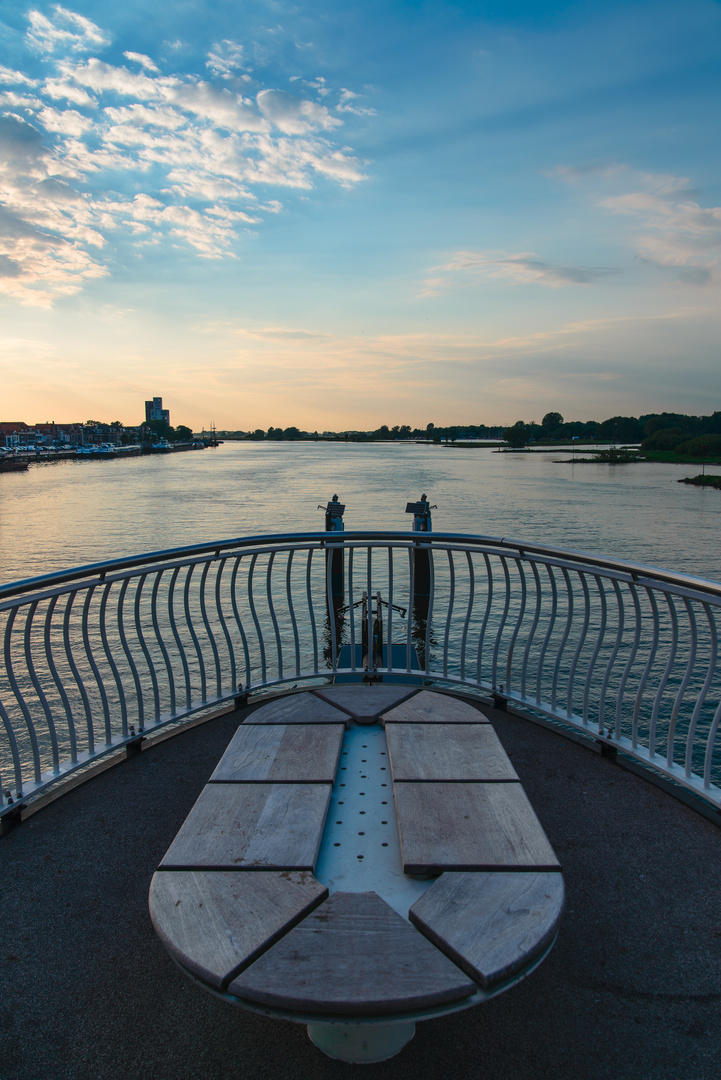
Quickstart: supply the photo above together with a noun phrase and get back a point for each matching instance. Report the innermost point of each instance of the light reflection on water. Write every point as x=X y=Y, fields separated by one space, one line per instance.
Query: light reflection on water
x=70 y=513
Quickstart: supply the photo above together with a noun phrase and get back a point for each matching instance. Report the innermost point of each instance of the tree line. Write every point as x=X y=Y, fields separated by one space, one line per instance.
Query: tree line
x=681 y=433
x=655 y=431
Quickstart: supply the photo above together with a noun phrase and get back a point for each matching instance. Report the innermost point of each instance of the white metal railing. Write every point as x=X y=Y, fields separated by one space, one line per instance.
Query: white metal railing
x=94 y=657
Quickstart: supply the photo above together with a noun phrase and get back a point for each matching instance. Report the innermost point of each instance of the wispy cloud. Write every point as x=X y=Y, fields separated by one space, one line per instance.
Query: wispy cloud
x=225 y=58
x=519 y=268
x=90 y=127
x=66 y=32
x=669 y=229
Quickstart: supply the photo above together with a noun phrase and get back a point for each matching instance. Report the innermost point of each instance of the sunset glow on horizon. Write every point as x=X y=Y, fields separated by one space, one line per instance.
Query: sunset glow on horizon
x=335 y=218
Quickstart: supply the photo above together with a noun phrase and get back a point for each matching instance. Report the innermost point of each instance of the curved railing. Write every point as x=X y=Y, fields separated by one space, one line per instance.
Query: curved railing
x=95 y=657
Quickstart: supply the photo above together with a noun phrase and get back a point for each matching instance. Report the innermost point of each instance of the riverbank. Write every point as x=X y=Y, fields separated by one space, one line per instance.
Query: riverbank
x=702 y=481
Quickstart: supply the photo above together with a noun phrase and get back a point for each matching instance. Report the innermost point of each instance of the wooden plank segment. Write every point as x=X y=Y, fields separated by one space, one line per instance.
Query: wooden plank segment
x=365 y=703
x=287 y=753
x=492 y=925
x=252 y=826
x=215 y=923
x=430 y=708
x=352 y=956
x=447 y=752
x=470 y=827
x=297 y=709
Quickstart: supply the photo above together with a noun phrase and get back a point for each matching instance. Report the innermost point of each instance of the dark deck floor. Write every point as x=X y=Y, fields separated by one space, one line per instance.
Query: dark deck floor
x=632 y=988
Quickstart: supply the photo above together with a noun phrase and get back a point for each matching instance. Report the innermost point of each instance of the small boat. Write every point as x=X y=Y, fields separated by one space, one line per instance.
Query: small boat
x=12 y=464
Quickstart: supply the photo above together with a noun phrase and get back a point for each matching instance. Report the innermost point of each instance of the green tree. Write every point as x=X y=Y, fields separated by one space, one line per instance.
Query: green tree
x=550 y=422
x=517 y=435
x=183 y=433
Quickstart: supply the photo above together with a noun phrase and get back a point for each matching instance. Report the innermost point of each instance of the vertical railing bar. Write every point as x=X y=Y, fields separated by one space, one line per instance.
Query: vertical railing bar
x=532 y=631
x=596 y=651
x=431 y=602
x=502 y=623
x=579 y=646
x=517 y=625
x=646 y=672
x=14 y=751
x=411 y=604
x=351 y=609
x=239 y=621
x=271 y=608
x=451 y=601
x=191 y=630
x=223 y=624
x=693 y=723
x=19 y=695
x=369 y=610
x=58 y=681
x=708 y=759
x=612 y=658
x=291 y=610
x=254 y=615
x=159 y=639
x=311 y=612
x=177 y=638
x=144 y=646
x=564 y=638
x=94 y=667
x=666 y=673
x=486 y=616
x=684 y=682
x=469 y=608
x=549 y=631
x=111 y=659
x=631 y=659
x=330 y=607
x=389 y=634
x=30 y=665
x=129 y=656
x=209 y=630
x=76 y=673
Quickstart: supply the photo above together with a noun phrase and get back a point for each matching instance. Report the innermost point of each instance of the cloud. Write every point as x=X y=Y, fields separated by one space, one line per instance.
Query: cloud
x=522 y=268
x=347 y=103
x=292 y=115
x=142 y=59
x=67 y=32
x=77 y=157
x=225 y=58
x=669 y=229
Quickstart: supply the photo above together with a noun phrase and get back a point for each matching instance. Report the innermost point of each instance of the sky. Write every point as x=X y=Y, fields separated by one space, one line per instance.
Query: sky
x=335 y=215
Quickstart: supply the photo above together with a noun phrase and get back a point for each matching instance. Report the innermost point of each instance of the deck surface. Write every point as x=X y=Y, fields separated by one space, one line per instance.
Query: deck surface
x=631 y=990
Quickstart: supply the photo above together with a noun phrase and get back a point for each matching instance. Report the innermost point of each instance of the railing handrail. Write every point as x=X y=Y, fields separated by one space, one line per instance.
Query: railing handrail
x=93 y=652
x=631 y=570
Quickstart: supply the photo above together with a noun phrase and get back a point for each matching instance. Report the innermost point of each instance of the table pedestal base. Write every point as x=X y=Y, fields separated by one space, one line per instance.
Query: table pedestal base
x=361 y=1043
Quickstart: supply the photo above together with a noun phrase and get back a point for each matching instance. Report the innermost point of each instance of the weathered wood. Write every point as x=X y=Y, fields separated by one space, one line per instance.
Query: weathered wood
x=470 y=827
x=365 y=703
x=297 y=709
x=252 y=826
x=491 y=925
x=352 y=956
x=447 y=752
x=216 y=922
x=287 y=753
x=430 y=708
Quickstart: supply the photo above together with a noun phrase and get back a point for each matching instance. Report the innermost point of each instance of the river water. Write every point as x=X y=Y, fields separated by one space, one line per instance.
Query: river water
x=69 y=513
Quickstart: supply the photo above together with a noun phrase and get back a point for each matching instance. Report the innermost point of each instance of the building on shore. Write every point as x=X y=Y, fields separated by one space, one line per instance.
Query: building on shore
x=154 y=411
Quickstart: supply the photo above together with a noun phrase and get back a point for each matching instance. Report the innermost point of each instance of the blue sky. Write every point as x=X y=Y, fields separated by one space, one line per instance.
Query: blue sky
x=338 y=216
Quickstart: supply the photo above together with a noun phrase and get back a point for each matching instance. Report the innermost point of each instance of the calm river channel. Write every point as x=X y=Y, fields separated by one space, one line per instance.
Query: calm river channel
x=71 y=513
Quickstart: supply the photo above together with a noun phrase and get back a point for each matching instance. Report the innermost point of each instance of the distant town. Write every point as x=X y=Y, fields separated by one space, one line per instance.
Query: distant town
x=658 y=432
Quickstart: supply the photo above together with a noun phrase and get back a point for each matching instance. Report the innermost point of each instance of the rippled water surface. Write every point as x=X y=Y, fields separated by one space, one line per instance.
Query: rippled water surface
x=71 y=513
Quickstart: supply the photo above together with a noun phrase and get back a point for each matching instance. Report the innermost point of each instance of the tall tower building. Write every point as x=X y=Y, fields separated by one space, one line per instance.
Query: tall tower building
x=154 y=410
